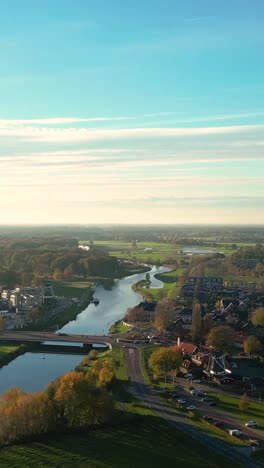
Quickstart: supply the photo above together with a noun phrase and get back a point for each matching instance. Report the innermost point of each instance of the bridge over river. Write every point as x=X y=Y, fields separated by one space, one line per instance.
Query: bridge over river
x=41 y=337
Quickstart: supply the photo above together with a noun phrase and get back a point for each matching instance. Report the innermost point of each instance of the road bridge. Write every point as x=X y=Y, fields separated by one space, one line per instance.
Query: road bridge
x=41 y=337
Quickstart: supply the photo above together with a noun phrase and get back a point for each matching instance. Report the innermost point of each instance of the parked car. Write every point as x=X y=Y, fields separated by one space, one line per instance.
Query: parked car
x=199 y=393
x=194 y=392
x=235 y=432
x=218 y=423
x=207 y=399
x=211 y=403
x=188 y=376
x=181 y=401
x=191 y=407
x=198 y=381
x=251 y=424
x=205 y=417
x=174 y=395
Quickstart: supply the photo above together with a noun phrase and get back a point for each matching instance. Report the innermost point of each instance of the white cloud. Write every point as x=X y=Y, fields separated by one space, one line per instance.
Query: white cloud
x=65 y=135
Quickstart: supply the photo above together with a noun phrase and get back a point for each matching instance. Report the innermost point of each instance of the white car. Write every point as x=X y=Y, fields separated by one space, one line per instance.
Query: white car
x=251 y=424
x=191 y=408
x=181 y=401
x=235 y=432
x=188 y=376
x=197 y=381
x=194 y=392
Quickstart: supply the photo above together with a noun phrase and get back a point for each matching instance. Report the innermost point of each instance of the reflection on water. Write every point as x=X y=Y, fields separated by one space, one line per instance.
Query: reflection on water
x=31 y=372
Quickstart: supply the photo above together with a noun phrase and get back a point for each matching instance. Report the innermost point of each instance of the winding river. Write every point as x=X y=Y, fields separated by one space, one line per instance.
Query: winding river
x=33 y=371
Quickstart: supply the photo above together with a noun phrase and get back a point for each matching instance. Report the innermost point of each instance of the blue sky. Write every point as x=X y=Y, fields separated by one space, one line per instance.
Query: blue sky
x=132 y=112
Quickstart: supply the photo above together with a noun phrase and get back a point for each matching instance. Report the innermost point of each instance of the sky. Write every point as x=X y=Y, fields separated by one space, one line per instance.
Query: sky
x=132 y=112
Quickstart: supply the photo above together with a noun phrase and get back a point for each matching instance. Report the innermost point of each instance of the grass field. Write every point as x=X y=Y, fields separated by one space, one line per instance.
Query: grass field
x=6 y=348
x=145 y=442
x=71 y=288
x=230 y=406
x=118 y=327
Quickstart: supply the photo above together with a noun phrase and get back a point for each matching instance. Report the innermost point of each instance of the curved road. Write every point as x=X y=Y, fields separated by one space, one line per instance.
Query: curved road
x=148 y=396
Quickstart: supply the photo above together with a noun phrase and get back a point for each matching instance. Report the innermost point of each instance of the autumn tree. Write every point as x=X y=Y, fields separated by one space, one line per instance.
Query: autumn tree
x=196 y=320
x=221 y=338
x=244 y=403
x=79 y=403
x=257 y=317
x=252 y=345
x=163 y=361
x=135 y=314
x=164 y=314
x=102 y=372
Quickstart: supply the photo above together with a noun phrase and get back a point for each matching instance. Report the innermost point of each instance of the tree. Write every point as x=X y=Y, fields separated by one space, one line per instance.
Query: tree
x=221 y=338
x=165 y=360
x=164 y=314
x=244 y=403
x=207 y=324
x=257 y=317
x=147 y=277
x=196 y=320
x=79 y=403
x=252 y=345
x=136 y=314
x=2 y=324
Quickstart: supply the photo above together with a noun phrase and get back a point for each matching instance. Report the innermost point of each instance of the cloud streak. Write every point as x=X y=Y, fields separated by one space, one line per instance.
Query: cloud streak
x=83 y=134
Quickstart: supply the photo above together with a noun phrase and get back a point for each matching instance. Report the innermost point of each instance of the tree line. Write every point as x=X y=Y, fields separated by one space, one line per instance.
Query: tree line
x=24 y=266
x=71 y=402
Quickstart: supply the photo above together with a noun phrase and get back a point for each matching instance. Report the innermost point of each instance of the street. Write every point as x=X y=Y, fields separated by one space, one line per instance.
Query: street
x=146 y=394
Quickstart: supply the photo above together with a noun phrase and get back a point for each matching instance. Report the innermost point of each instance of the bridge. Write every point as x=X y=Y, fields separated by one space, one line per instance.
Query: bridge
x=41 y=337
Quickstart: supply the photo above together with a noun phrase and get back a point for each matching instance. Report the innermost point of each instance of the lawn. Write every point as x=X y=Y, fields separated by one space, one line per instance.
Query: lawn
x=71 y=288
x=146 y=442
x=118 y=327
x=6 y=348
x=230 y=406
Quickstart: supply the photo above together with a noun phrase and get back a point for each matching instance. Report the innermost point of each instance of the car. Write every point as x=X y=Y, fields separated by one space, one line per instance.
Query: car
x=157 y=343
x=174 y=395
x=188 y=376
x=235 y=432
x=251 y=424
x=207 y=399
x=199 y=393
x=181 y=401
x=198 y=381
x=211 y=403
x=194 y=392
x=62 y=334
x=218 y=423
x=205 y=417
x=191 y=407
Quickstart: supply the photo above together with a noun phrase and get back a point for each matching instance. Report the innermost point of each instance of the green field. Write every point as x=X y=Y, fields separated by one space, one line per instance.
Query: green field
x=71 y=288
x=118 y=327
x=230 y=406
x=146 y=442
x=6 y=348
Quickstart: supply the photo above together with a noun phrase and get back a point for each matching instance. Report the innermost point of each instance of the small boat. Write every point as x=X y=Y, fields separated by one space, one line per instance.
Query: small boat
x=95 y=301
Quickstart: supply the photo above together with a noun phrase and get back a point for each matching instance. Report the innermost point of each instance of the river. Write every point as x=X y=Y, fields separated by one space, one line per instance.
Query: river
x=113 y=304
x=33 y=371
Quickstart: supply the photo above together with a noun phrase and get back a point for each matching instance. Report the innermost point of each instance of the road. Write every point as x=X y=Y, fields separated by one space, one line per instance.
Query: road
x=149 y=397
x=32 y=336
